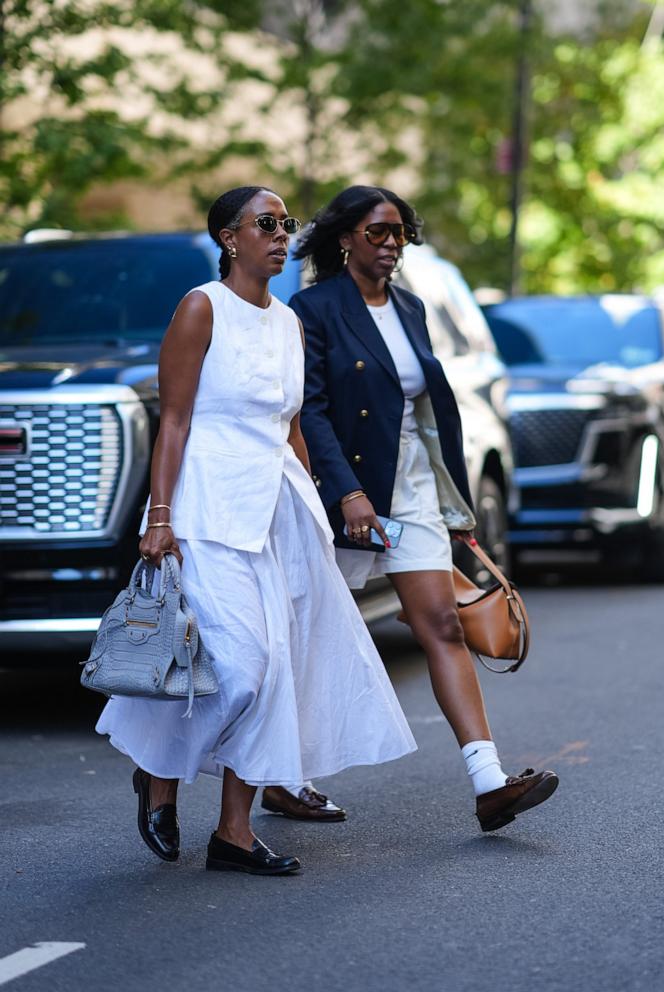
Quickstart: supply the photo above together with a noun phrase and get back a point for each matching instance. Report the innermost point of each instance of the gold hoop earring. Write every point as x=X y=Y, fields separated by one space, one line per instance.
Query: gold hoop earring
x=232 y=251
x=345 y=252
x=399 y=265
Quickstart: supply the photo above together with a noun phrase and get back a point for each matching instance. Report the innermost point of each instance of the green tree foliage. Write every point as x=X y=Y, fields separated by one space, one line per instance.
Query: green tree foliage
x=439 y=82
x=59 y=132
x=303 y=136
x=595 y=212
x=420 y=95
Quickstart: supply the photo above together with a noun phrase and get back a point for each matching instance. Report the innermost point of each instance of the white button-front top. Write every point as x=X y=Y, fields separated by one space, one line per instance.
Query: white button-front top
x=237 y=451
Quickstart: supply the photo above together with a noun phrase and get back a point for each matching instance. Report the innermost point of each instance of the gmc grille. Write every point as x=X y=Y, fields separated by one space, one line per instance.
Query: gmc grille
x=547 y=437
x=68 y=477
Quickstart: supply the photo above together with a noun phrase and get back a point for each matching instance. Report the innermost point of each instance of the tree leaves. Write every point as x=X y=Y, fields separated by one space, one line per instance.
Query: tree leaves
x=418 y=95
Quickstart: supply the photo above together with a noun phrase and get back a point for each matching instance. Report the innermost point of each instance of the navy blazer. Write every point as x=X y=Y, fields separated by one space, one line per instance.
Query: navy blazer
x=353 y=402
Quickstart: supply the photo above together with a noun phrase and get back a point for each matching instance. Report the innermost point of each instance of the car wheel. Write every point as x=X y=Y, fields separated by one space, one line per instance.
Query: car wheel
x=491 y=531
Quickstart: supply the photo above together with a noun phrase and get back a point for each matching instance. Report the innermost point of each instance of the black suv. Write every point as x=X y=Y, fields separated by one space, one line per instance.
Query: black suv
x=81 y=320
x=587 y=421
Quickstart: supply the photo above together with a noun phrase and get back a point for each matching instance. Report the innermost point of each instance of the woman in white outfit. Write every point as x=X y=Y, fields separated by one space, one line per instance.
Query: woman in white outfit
x=303 y=692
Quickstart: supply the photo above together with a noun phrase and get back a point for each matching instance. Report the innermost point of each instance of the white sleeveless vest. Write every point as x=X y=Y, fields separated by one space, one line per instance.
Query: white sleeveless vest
x=251 y=386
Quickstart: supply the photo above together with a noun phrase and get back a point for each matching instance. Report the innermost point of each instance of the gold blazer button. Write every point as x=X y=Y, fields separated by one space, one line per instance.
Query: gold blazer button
x=359 y=365
x=357 y=458
x=364 y=413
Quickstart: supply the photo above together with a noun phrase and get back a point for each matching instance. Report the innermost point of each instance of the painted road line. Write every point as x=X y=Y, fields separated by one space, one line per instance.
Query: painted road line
x=21 y=962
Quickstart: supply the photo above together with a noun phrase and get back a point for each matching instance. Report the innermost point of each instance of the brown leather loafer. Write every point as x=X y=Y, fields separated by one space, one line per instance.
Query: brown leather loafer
x=309 y=805
x=520 y=792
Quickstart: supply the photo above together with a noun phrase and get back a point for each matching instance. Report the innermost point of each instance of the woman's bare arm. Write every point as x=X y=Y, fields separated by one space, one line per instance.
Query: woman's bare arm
x=295 y=436
x=297 y=442
x=182 y=352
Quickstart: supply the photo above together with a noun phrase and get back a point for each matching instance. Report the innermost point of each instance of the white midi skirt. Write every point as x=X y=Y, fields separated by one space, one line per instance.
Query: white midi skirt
x=303 y=691
x=425 y=540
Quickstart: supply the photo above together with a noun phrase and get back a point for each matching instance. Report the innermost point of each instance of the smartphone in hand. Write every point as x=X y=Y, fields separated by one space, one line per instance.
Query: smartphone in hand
x=392 y=528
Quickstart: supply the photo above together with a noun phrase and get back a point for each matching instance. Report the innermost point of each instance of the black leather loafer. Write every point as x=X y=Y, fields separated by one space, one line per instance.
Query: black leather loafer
x=260 y=860
x=158 y=827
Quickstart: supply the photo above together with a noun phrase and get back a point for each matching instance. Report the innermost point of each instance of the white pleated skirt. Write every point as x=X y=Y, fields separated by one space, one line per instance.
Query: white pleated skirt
x=303 y=691
x=425 y=540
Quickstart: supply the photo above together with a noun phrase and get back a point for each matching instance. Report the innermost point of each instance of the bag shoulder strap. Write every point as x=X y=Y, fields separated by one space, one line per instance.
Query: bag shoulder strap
x=491 y=566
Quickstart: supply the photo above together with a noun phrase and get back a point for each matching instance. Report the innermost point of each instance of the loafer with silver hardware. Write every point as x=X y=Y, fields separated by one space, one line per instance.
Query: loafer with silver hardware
x=520 y=792
x=308 y=805
x=158 y=827
x=260 y=860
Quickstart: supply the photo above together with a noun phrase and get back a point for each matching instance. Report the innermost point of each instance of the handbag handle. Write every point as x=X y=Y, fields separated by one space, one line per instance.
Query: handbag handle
x=514 y=600
x=169 y=571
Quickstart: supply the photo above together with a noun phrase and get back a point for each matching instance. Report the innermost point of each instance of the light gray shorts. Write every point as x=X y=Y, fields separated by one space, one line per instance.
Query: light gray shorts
x=425 y=541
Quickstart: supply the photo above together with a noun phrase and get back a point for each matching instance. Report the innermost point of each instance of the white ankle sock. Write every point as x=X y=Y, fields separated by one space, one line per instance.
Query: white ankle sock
x=483 y=766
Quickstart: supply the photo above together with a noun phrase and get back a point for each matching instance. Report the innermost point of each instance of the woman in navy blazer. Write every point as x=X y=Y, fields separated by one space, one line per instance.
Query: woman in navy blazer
x=354 y=401
x=384 y=437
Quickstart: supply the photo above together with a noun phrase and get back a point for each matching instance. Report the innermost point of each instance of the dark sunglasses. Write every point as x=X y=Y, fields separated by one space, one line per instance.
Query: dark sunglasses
x=377 y=234
x=269 y=223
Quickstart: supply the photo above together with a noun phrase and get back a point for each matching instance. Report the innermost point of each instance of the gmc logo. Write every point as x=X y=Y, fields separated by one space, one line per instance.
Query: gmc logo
x=13 y=440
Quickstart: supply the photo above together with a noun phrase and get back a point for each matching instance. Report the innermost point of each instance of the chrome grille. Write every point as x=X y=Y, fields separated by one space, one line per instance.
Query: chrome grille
x=547 y=437
x=67 y=479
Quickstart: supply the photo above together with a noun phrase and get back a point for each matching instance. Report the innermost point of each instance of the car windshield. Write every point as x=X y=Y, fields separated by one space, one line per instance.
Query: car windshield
x=618 y=330
x=95 y=291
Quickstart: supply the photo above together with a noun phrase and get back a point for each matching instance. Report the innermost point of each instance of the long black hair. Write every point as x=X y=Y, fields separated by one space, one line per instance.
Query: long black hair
x=319 y=244
x=226 y=212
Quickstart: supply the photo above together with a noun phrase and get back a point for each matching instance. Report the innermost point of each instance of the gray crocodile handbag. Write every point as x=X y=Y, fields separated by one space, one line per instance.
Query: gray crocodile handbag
x=148 y=645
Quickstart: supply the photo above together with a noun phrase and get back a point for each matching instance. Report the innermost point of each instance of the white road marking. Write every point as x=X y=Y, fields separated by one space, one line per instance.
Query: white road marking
x=21 y=962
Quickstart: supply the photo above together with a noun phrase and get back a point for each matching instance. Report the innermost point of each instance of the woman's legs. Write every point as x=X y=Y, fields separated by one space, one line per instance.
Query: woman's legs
x=236 y=800
x=162 y=790
x=234 y=831
x=430 y=606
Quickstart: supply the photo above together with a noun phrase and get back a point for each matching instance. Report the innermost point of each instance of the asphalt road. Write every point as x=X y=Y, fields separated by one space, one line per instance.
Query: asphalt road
x=408 y=894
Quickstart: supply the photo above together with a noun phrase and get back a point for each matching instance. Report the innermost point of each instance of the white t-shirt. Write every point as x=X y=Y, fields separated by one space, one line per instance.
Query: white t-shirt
x=405 y=360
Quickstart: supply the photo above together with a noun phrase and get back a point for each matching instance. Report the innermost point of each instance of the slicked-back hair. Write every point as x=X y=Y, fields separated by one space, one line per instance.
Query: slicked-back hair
x=319 y=245
x=226 y=212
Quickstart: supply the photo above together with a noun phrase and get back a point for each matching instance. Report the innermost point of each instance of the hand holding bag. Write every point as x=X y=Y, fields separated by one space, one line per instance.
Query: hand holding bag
x=149 y=645
x=495 y=623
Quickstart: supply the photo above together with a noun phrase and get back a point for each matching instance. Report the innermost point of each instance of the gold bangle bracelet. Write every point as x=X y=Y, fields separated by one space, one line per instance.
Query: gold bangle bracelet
x=159 y=506
x=150 y=526
x=351 y=496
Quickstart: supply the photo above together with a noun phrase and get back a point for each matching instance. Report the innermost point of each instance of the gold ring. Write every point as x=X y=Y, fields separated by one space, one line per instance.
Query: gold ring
x=364 y=528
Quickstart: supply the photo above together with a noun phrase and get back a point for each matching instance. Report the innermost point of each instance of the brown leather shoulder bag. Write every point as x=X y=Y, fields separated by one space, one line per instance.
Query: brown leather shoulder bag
x=495 y=622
